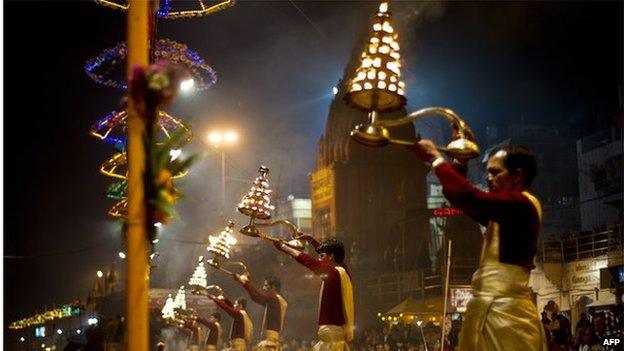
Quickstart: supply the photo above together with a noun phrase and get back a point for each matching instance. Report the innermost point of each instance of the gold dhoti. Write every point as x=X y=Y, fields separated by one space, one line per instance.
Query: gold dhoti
x=331 y=338
x=238 y=344
x=501 y=316
x=270 y=341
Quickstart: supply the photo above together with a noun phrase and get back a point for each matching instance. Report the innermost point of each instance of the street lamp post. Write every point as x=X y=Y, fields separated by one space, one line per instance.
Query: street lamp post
x=220 y=140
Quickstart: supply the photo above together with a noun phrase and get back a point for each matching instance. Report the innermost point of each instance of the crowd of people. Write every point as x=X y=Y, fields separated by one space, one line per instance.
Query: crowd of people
x=399 y=337
x=589 y=334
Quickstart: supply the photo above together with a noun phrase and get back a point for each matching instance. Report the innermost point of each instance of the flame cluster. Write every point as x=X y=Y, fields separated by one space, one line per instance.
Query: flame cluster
x=377 y=83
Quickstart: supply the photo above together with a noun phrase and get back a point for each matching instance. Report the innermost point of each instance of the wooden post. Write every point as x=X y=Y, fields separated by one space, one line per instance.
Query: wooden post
x=137 y=277
x=446 y=284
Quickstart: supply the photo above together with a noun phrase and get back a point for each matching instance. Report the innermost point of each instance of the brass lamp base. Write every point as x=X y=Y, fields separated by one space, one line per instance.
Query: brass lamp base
x=371 y=134
x=250 y=230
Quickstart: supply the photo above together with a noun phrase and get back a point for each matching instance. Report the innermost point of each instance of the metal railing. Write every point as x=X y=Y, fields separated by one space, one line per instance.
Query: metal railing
x=599 y=242
x=392 y=288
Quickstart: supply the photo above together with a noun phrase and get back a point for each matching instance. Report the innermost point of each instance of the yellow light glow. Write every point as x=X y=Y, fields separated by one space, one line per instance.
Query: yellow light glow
x=371 y=74
x=387 y=39
x=384 y=49
x=377 y=62
x=394 y=67
x=400 y=314
x=401 y=84
x=100 y=274
x=215 y=138
x=377 y=27
x=381 y=75
x=367 y=62
x=230 y=137
x=392 y=87
x=187 y=85
x=395 y=55
x=356 y=87
x=395 y=45
x=387 y=27
x=400 y=91
x=368 y=86
x=361 y=75
x=393 y=79
x=374 y=40
x=378 y=314
x=383 y=7
x=372 y=49
x=381 y=84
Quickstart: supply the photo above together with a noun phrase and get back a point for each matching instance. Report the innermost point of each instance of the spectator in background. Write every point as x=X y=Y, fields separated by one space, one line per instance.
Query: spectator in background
x=585 y=340
x=560 y=328
x=583 y=322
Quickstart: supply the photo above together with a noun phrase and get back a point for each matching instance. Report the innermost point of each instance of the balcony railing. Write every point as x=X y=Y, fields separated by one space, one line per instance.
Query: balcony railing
x=599 y=242
x=392 y=288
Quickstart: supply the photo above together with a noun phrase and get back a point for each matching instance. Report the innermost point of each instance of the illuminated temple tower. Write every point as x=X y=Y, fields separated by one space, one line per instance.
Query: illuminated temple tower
x=373 y=199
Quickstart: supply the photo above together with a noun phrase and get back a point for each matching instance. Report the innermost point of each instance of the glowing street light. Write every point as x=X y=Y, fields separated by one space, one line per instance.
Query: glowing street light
x=59 y=331
x=122 y=255
x=230 y=138
x=187 y=85
x=219 y=140
x=100 y=274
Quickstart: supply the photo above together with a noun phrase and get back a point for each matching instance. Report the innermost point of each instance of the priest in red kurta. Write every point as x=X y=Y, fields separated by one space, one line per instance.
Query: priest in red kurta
x=336 y=301
x=242 y=328
x=274 y=309
x=501 y=316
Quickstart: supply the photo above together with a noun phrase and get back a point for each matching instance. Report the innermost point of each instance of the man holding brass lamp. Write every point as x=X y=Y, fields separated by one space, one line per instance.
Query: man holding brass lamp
x=336 y=302
x=213 y=324
x=501 y=316
x=274 y=309
x=242 y=328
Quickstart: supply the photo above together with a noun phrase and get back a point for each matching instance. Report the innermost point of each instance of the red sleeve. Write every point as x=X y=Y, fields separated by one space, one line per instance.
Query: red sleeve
x=257 y=295
x=313 y=264
x=315 y=243
x=227 y=306
x=478 y=204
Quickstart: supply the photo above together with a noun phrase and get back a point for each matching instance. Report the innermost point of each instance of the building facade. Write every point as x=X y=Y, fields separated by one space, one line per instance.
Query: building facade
x=600 y=159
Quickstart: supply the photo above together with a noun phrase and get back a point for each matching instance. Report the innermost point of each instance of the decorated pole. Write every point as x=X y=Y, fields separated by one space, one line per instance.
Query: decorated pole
x=137 y=277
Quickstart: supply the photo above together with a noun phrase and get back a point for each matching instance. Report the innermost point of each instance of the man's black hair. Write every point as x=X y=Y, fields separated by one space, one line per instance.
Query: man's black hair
x=242 y=301
x=333 y=246
x=217 y=316
x=274 y=282
x=522 y=158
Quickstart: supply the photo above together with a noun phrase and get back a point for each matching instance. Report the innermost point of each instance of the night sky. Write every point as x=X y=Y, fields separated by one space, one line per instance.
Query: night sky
x=554 y=63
